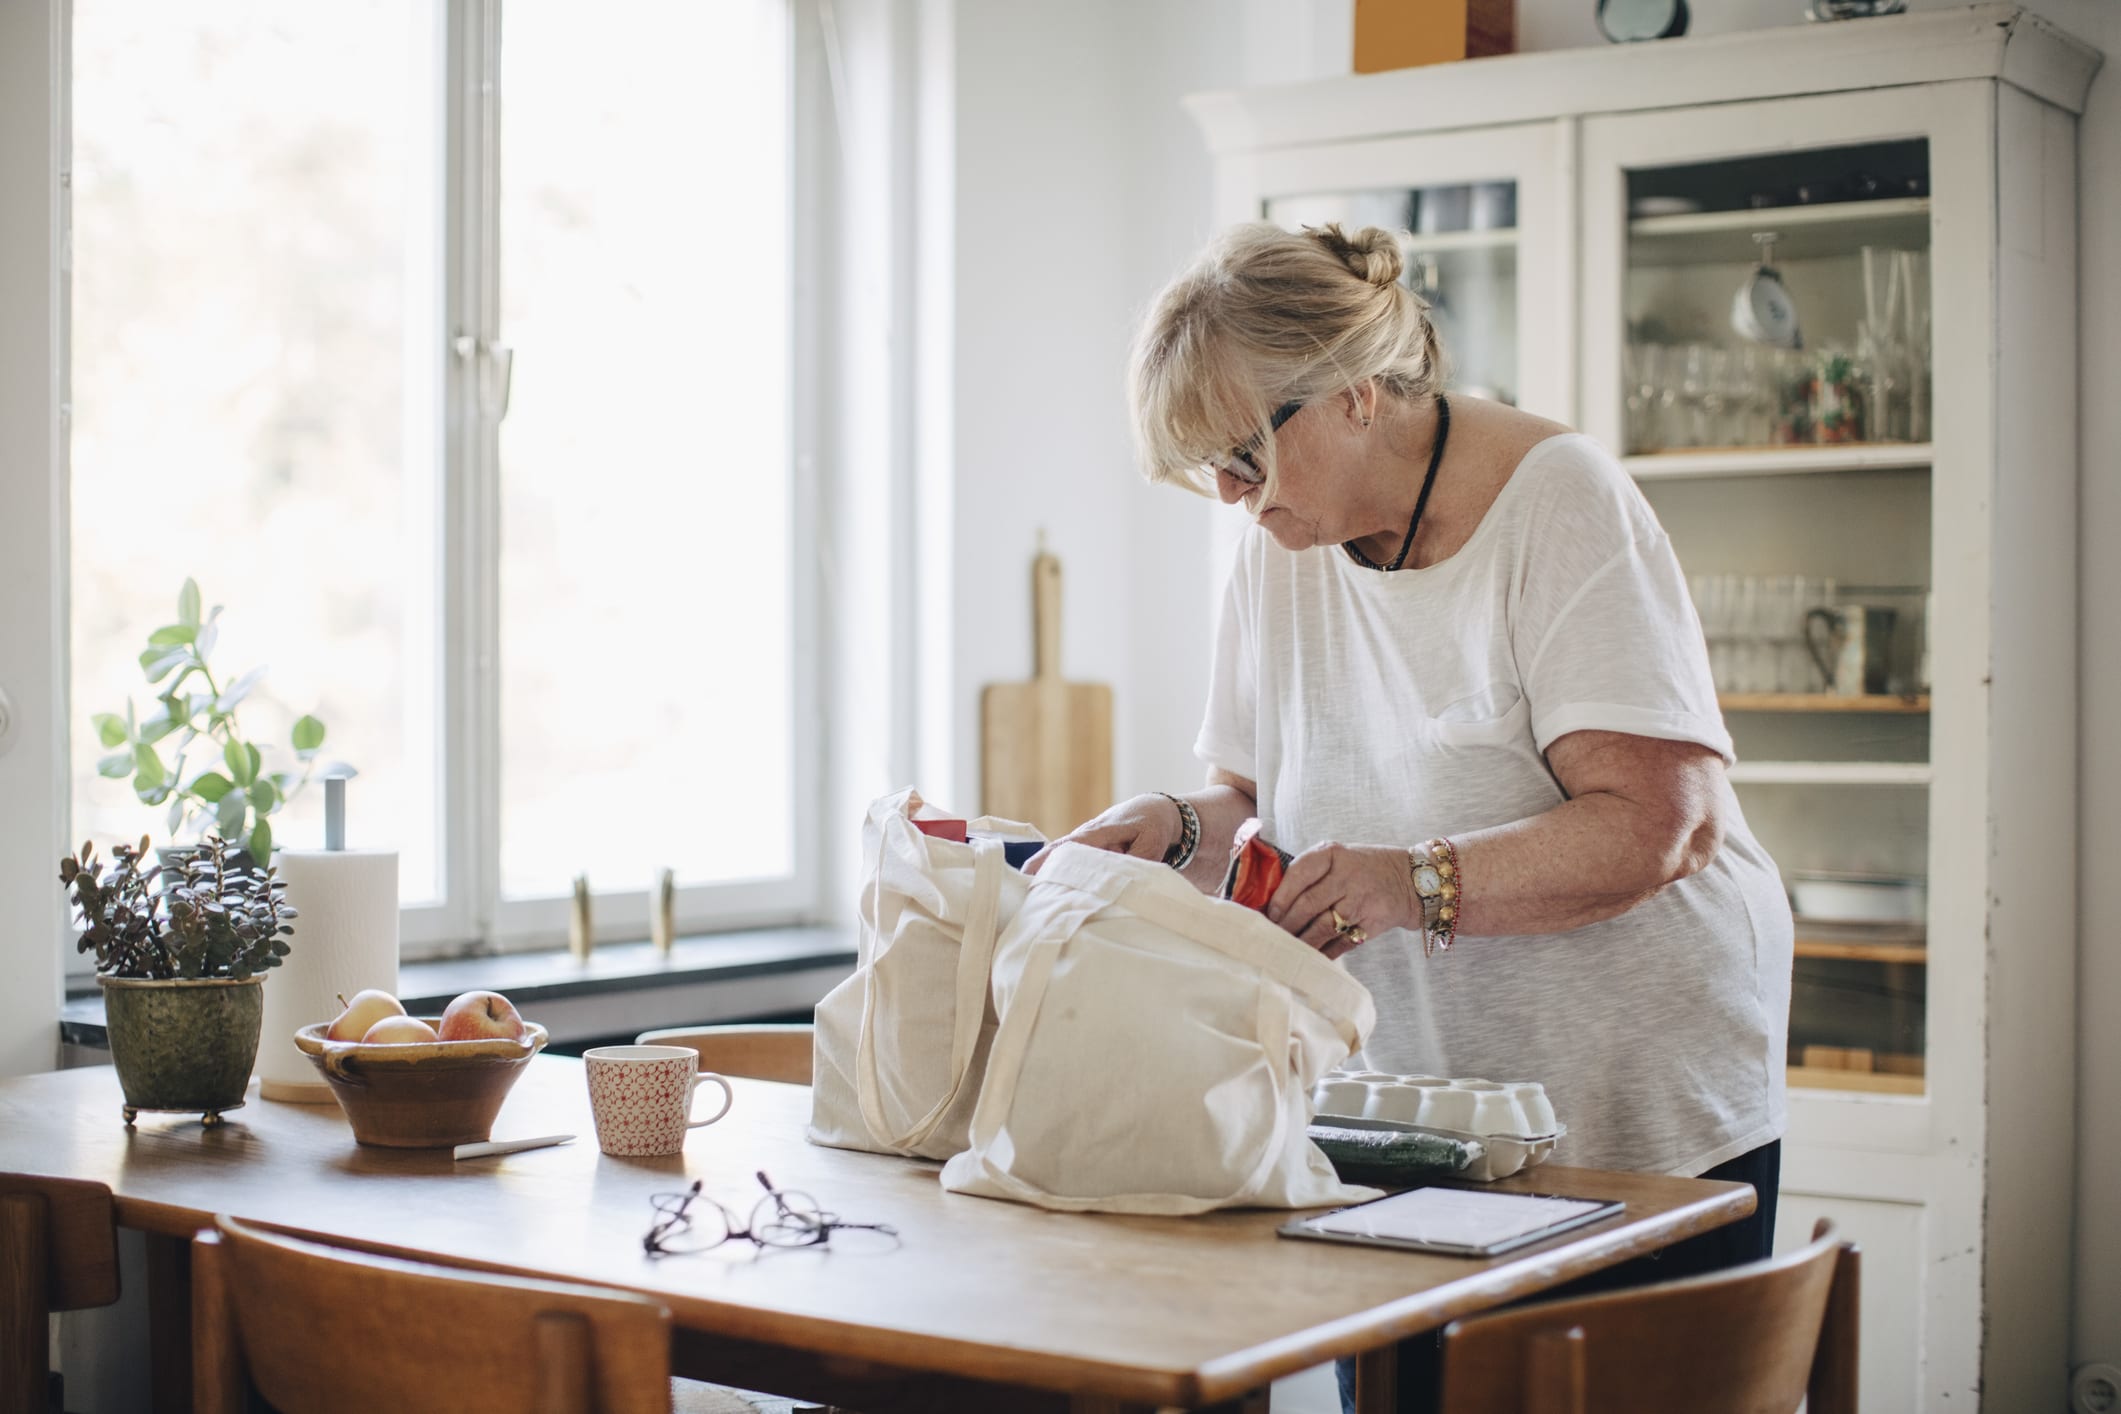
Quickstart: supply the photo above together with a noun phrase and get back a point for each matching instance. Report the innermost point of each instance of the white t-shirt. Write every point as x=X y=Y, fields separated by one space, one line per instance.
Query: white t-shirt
x=1377 y=708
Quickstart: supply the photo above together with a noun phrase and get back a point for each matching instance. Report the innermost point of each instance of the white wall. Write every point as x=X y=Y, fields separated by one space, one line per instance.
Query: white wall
x=31 y=656
x=1075 y=205
x=1081 y=188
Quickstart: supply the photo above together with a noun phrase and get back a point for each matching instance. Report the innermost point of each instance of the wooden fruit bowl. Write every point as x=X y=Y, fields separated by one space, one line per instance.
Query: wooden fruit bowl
x=428 y=1095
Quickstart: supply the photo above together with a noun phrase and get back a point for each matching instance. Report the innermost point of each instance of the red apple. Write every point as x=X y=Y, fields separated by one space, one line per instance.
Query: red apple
x=364 y=1011
x=480 y=1016
x=398 y=1031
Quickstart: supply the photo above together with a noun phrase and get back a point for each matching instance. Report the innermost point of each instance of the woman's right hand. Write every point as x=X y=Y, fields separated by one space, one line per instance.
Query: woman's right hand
x=1145 y=826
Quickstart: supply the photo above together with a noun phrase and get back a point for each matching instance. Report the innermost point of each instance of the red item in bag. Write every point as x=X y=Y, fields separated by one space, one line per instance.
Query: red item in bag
x=1256 y=867
x=942 y=829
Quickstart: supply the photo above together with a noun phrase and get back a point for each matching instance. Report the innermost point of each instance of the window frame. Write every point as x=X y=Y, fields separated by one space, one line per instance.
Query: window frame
x=472 y=917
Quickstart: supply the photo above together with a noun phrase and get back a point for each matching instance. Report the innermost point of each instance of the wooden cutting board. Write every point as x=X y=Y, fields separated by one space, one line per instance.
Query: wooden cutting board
x=1046 y=744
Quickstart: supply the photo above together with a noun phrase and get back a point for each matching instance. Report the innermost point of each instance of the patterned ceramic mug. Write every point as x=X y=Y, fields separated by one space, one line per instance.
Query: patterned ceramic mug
x=641 y=1097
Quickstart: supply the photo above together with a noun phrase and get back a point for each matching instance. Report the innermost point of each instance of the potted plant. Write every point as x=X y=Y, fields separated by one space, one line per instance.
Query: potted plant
x=181 y=969
x=216 y=778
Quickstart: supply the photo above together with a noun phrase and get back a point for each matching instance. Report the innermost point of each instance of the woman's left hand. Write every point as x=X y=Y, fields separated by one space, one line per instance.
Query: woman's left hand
x=1370 y=886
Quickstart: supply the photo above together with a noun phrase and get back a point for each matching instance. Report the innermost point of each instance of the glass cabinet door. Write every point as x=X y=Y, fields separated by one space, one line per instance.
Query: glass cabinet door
x=1759 y=330
x=1459 y=243
x=1482 y=234
x=1779 y=301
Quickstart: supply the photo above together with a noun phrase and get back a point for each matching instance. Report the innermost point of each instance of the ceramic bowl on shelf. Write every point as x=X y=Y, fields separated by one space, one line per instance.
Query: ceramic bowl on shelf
x=423 y=1095
x=1513 y=1123
x=1859 y=898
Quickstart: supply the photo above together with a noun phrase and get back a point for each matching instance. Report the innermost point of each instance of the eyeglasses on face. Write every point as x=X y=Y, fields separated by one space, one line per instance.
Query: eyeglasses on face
x=688 y=1222
x=1242 y=463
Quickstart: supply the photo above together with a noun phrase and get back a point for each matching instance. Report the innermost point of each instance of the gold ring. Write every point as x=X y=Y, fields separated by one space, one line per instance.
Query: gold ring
x=1346 y=927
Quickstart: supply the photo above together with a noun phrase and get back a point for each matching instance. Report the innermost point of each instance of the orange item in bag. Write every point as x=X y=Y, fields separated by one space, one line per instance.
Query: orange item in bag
x=1256 y=867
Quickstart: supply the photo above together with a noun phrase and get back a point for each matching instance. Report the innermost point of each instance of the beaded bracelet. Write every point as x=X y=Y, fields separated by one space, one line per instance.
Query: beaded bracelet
x=1178 y=856
x=1438 y=936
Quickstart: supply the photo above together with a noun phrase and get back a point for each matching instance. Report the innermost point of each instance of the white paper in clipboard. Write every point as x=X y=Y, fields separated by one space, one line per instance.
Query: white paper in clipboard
x=1454 y=1219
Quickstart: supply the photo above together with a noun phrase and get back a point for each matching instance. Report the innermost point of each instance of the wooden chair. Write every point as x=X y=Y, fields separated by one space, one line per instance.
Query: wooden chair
x=319 y=1329
x=58 y=1252
x=755 y=1052
x=1761 y=1336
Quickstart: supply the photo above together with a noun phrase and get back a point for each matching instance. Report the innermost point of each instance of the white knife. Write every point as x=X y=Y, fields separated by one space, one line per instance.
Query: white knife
x=510 y=1146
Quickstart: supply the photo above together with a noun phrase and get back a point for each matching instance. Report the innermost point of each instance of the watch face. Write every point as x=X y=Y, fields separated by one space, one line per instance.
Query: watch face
x=1427 y=881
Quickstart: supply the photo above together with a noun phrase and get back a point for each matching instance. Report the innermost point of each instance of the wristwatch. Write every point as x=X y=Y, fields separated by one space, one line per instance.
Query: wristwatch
x=1433 y=867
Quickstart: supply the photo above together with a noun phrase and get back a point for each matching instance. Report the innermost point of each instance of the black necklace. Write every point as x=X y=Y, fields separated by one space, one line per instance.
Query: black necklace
x=1421 y=503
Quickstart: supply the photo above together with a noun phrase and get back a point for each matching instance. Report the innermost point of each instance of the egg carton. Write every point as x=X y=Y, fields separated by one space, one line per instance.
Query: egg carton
x=1513 y=1124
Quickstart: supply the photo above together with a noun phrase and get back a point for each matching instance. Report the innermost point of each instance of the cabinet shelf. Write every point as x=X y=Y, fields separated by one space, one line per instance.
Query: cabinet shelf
x=1831 y=773
x=1835 y=950
x=1805 y=232
x=1779 y=461
x=1872 y=1082
x=1915 y=705
x=1438 y=242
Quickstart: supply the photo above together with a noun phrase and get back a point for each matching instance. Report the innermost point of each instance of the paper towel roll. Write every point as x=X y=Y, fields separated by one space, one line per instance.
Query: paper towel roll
x=345 y=939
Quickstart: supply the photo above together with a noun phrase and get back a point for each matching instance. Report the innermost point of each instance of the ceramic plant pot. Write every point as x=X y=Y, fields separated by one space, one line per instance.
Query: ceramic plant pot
x=183 y=1044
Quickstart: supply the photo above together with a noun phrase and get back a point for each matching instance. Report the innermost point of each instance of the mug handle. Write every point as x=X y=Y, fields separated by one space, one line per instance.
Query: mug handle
x=728 y=1097
x=1828 y=659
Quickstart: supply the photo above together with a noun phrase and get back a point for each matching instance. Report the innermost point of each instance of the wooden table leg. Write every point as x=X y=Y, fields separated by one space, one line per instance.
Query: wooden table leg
x=169 y=1321
x=1377 y=1381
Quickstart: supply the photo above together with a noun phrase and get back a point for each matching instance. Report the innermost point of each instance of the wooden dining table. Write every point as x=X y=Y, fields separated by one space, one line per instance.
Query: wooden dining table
x=975 y=1304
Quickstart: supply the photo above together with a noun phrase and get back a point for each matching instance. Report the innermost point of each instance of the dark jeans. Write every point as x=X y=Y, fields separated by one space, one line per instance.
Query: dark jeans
x=1731 y=1245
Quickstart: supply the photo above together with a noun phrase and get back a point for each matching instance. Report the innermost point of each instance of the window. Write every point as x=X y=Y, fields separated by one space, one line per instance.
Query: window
x=460 y=372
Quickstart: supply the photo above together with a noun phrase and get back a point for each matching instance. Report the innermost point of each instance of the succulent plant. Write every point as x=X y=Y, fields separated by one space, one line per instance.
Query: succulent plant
x=213 y=917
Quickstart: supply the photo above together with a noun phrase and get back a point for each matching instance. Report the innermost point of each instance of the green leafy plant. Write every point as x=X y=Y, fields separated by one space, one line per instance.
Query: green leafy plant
x=214 y=918
x=217 y=778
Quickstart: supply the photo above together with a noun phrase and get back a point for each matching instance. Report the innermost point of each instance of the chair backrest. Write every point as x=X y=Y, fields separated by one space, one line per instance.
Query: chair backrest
x=58 y=1252
x=320 y=1329
x=1762 y=1336
x=754 y=1052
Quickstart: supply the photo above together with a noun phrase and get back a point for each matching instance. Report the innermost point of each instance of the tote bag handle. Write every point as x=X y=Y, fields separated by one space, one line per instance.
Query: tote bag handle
x=975 y=961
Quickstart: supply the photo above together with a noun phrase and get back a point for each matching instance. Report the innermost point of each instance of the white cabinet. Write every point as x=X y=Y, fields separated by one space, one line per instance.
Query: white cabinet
x=1879 y=525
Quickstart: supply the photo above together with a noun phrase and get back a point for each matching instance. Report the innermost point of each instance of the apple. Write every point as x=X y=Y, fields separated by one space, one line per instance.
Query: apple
x=480 y=1016
x=400 y=1030
x=364 y=1011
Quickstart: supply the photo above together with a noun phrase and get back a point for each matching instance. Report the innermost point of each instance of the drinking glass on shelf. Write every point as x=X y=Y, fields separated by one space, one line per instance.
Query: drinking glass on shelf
x=1747 y=625
x=1663 y=414
x=1732 y=378
x=1640 y=390
x=1714 y=597
x=1696 y=396
x=1774 y=612
x=1783 y=617
x=1789 y=373
x=1913 y=266
x=1880 y=358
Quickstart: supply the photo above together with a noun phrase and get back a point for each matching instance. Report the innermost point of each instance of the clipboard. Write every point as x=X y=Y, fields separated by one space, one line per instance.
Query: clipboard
x=1457 y=1222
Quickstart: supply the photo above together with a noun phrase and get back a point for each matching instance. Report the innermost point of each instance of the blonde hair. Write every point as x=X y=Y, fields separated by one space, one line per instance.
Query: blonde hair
x=1265 y=317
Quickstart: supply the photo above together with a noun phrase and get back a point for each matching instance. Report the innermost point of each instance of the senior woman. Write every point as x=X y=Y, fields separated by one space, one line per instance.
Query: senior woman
x=1459 y=676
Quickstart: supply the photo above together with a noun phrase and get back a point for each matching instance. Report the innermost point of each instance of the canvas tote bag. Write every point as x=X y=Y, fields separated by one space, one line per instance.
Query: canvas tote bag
x=1157 y=1050
x=900 y=1045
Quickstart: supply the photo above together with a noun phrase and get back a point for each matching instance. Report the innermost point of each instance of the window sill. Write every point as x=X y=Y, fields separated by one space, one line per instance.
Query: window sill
x=620 y=988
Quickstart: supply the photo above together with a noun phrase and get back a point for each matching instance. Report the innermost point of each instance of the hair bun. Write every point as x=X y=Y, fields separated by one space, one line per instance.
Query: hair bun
x=1371 y=254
